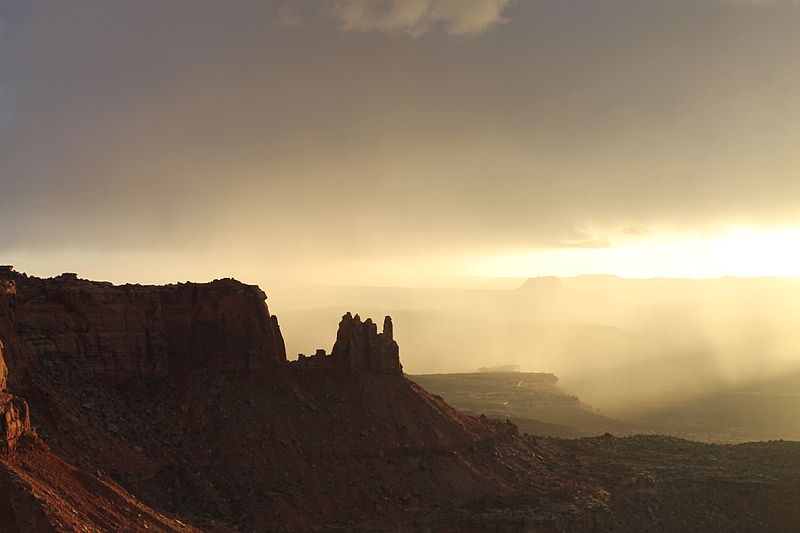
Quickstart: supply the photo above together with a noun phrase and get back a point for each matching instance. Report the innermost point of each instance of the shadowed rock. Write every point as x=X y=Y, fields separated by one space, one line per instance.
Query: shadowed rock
x=3 y=370
x=119 y=332
x=14 y=417
x=360 y=348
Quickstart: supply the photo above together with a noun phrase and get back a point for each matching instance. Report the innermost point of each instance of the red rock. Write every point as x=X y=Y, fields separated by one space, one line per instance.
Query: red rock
x=14 y=417
x=119 y=332
x=7 y=293
x=360 y=348
x=40 y=493
x=3 y=370
x=14 y=421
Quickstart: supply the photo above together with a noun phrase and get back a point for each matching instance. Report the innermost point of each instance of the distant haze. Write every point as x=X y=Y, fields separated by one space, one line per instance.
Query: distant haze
x=618 y=343
x=394 y=143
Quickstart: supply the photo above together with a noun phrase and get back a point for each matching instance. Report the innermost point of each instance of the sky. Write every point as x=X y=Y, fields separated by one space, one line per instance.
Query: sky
x=390 y=142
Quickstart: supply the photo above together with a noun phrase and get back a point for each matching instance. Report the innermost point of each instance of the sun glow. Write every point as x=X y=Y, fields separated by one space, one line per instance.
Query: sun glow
x=738 y=251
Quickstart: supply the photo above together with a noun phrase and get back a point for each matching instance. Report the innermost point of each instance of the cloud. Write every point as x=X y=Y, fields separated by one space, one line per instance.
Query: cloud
x=415 y=17
x=633 y=230
x=601 y=242
x=6 y=111
x=285 y=15
x=765 y=2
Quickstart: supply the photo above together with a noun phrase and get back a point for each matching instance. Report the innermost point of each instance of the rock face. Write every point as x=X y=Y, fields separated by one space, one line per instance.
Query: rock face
x=14 y=421
x=6 y=308
x=14 y=418
x=119 y=332
x=39 y=492
x=359 y=347
x=3 y=370
x=359 y=350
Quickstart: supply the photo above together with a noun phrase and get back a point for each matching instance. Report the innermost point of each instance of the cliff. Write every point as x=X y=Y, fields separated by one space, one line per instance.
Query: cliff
x=7 y=290
x=119 y=332
x=3 y=370
x=14 y=418
x=39 y=491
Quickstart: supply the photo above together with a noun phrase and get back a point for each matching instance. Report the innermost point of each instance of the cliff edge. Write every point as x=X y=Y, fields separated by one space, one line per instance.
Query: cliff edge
x=120 y=332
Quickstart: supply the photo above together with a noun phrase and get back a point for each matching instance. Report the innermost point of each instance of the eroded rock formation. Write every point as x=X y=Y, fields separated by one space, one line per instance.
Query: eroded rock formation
x=359 y=347
x=14 y=418
x=359 y=350
x=7 y=294
x=3 y=370
x=121 y=332
x=14 y=421
x=118 y=332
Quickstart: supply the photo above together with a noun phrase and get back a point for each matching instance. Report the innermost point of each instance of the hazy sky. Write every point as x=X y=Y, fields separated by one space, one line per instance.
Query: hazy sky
x=367 y=140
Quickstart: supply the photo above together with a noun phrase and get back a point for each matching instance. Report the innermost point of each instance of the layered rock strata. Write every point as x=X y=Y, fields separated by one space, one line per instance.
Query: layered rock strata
x=120 y=332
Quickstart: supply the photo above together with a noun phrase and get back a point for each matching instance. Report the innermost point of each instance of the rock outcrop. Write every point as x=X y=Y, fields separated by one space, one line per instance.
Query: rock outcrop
x=7 y=291
x=14 y=418
x=119 y=332
x=3 y=370
x=359 y=350
x=14 y=421
x=359 y=347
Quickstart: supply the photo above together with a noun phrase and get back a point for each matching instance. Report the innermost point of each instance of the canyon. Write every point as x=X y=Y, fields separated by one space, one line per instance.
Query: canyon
x=175 y=408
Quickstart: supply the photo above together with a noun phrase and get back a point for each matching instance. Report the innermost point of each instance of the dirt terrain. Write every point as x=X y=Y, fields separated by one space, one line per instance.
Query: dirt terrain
x=174 y=409
x=532 y=400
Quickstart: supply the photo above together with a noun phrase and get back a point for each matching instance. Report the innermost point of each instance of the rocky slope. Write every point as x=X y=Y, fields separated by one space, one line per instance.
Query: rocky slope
x=173 y=408
x=39 y=492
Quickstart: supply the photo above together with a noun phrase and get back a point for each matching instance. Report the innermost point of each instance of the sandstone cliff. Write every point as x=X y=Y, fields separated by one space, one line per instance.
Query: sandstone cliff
x=14 y=418
x=7 y=290
x=118 y=332
x=121 y=332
